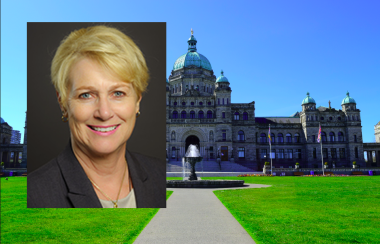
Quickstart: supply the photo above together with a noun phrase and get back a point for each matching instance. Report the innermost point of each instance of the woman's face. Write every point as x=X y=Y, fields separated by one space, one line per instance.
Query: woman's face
x=101 y=108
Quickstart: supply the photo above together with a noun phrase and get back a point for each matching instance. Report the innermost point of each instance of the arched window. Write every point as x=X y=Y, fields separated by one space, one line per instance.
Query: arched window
x=245 y=116
x=209 y=103
x=200 y=103
x=272 y=137
x=356 y=152
x=173 y=135
x=183 y=115
x=340 y=136
x=263 y=137
x=288 y=137
x=209 y=114
x=236 y=116
x=227 y=100
x=175 y=103
x=296 y=137
x=332 y=136
x=192 y=103
x=241 y=135
x=357 y=117
x=223 y=100
x=175 y=115
x=183 y=103
x=192 y=115
x=280 y=137
x=201 y=115
x=323 y=135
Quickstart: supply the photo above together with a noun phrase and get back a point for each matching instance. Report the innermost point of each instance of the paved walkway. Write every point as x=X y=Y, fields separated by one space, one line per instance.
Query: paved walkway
x=195 y=216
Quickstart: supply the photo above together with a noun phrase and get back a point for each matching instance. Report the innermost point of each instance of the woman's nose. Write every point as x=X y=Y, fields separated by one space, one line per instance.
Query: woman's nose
x=104 y=109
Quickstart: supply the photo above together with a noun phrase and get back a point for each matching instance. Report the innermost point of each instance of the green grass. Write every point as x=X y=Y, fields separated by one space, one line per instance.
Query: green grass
x=307 y=209
x=22 y=225
x=173 y=178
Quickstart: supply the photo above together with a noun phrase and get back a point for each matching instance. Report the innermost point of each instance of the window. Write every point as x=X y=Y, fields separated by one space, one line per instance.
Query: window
x=192 y=115
x=192 y=103
x=356 y=152
x=333 y=152
x=241 y=135
x=273 y=153
x=175 y=103
x=224 y=136
x=183 y=103
x=325 y=153
x=332 y=136
x=355 y=139
x=313 y=137
x=322 y=118
x=245 y=116
x=340 y=136
x=323 y=134
x=330 y=118
x=312 y=117
x=272 y=137
x=288 y=137
x=183 y=115
x=207 y=89
x=263 y=138
x=289 y=153
x=236 y=116
x=223 y=115
x=218 y=101
x=365 y=156
x=280 y=138
x=223 y=100
x=263 y=153
x=200 y=103
x=209 y=103
x=241 y=152
x=200 y=114
x=209 y=114
x=298 y=153
x=342 y=152
x=281 y=153
x=197 y=88
x=297 y=137
x=227 y=101
x=314 y=153
x=339 y=118
x=175 y=115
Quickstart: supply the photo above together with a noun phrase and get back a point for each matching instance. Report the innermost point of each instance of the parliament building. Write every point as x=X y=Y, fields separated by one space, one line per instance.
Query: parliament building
x=199 y=111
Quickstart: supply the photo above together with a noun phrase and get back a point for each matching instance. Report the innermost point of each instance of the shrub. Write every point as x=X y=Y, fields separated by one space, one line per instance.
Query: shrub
x=297 y=163
x=325 y=163
x=354 y=163
x=267 y=163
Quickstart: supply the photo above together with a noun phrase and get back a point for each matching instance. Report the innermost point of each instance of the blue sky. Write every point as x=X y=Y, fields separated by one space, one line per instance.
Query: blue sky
x=272 y=52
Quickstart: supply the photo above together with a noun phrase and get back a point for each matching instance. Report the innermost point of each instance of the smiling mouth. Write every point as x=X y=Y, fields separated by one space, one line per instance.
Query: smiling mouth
x=103 y=129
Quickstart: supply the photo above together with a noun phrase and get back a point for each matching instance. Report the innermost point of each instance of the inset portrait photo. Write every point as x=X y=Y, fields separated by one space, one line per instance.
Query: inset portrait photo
x=96 y=115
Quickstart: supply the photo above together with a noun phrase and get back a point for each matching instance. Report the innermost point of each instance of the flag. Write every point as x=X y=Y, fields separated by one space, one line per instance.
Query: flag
x=319 y=134
x=269 y=135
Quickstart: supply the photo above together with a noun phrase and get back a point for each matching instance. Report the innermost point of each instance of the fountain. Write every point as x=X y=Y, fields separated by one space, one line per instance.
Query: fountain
x=192 y=157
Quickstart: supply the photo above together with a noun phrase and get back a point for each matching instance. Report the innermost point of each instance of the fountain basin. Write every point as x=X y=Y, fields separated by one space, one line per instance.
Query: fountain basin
x=204 y=183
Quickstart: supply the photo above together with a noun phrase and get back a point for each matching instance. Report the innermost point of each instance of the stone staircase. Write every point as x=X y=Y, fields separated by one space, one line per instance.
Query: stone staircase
x=208 y=166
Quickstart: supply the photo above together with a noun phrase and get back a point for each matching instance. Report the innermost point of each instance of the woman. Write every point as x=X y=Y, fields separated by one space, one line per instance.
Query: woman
x=99 y=75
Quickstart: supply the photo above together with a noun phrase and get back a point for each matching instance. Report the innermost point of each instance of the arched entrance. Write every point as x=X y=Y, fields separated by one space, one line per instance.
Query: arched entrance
x=192 y=140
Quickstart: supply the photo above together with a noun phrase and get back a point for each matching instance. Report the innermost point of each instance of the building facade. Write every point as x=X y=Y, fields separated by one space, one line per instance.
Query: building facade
x=16 y=137
x=199 y=111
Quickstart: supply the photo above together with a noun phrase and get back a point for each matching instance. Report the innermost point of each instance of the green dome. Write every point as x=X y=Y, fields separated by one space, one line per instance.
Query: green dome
x=222 y=78
x=192 y=57
x=308 y=99
x=348 y=99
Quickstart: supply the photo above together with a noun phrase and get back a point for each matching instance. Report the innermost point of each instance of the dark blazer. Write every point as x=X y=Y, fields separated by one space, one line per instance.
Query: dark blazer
x=62 y=183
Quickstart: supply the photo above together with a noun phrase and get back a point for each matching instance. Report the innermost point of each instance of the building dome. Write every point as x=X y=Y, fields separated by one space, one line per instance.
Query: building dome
x=2 y=121
x=192 y=57
x=348 y=99
x=308 y=99
x=222 y=78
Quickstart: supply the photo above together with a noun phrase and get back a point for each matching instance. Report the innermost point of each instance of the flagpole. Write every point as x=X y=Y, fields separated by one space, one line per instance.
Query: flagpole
x=323 y=170
x=270 y=152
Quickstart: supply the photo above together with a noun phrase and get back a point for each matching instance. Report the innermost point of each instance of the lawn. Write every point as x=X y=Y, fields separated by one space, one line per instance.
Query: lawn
x=22 y=225
x=307 y=209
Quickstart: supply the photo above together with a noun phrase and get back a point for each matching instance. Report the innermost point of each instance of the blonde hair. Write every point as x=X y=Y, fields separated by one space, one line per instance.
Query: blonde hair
x=109 y=47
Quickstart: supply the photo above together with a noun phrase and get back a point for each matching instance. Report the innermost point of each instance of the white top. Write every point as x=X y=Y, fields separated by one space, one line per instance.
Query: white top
x=126 y=202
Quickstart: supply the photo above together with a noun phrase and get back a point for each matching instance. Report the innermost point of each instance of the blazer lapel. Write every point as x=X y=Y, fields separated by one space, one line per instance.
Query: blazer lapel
x=80 y=190
x=139 y=175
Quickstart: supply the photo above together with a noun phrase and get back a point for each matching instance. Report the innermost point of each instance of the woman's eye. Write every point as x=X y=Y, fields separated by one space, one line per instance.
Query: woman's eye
x=118 y=94
x=85 y=95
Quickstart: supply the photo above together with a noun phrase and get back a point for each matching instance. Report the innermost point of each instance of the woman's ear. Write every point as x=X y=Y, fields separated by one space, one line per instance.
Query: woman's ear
x=138 y=104
x=59 y=101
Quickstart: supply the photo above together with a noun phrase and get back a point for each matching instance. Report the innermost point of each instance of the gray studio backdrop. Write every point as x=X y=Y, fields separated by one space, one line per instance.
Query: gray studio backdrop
x=47 y=134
